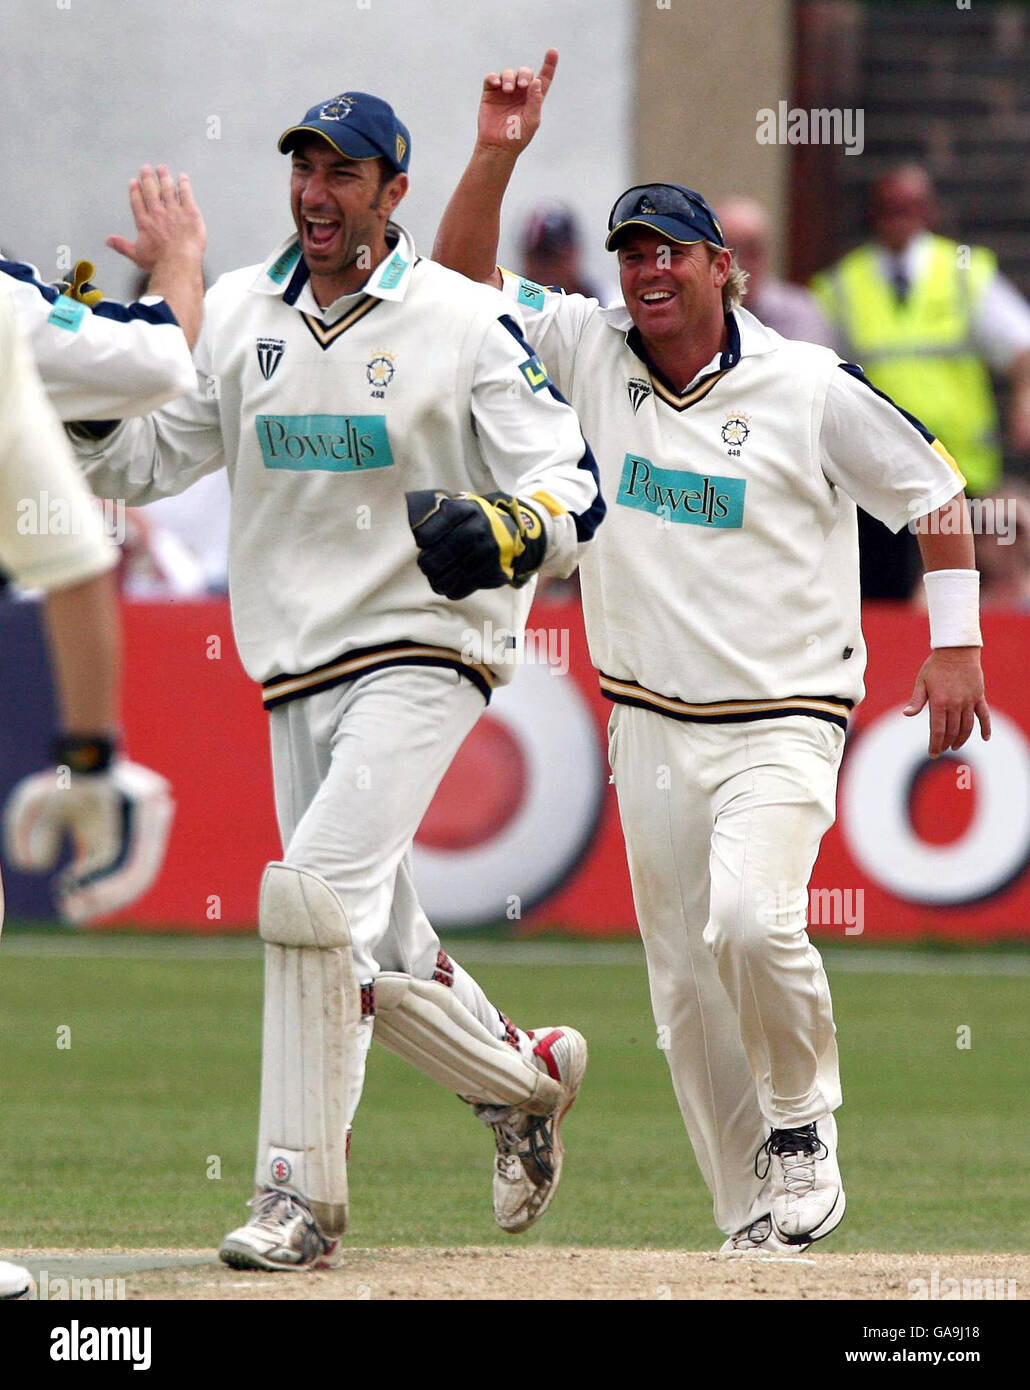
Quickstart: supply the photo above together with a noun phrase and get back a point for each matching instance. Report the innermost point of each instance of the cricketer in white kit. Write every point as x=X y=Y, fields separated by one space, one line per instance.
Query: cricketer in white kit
x=95 y=360
x=721 y=601
x=86 y=363
x=354 y=391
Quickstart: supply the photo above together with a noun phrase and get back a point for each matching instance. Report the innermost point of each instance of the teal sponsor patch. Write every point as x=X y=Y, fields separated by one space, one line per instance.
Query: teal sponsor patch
x=280 y=268
x=531 y=293
x=699 y=499
x=330 y=443
x=391 y=276
x=67 y=313
x=535 y=372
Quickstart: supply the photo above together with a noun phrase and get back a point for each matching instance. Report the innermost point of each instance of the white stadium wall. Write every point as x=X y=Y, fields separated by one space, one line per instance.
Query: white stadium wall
x=93 y=88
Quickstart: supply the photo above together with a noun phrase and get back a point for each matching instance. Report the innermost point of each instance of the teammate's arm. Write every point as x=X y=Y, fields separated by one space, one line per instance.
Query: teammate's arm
x=509 y=116
x=544 y=499
x=117 y=813
x=145 y=460
x=170 y=242
x=115 y=360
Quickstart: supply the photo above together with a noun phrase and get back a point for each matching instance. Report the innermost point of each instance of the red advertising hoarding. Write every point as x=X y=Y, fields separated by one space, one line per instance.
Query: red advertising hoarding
x=525 y=826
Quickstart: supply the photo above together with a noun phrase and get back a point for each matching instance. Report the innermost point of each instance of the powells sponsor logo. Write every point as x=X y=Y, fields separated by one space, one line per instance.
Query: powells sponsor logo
x=674 y=495
x=639 y=390
x=380 y=370
x=331 y=443
x=531 y=293
x=736 y=430
x=535 y=372
x=269 y=355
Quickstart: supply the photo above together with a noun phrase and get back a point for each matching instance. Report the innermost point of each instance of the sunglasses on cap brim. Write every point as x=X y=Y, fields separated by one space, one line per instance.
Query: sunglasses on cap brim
x=665 y=200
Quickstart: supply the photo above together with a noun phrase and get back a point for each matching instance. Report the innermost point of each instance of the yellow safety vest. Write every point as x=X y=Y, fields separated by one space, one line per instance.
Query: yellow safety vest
x=921 y=352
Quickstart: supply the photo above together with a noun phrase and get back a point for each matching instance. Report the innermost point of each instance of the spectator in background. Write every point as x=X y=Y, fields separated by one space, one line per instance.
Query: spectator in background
x=787 y=309
x=926 y=318
x=1003 y=550
x=551 y=253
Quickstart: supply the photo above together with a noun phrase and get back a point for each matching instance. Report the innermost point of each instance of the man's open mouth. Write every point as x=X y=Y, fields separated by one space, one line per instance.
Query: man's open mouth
x=320 y=231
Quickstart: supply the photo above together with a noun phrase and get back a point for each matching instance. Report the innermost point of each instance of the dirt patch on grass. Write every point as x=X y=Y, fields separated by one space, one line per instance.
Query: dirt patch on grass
x=542 y=1273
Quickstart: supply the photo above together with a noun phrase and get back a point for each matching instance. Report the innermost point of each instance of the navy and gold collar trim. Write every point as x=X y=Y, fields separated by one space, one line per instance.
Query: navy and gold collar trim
x=665 y=391
x=326 y=334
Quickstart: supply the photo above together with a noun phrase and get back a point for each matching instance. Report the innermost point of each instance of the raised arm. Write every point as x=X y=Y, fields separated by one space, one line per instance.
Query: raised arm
x=509 y=116
x=170 y=243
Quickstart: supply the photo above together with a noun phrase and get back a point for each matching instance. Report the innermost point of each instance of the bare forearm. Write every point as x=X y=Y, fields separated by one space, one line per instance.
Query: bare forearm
x=946 y=537
x=84 y=632
x=180 y=282
x=471 y=225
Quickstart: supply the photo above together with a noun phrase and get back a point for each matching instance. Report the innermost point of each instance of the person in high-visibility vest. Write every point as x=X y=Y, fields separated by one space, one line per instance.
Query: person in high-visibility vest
x=927 y=318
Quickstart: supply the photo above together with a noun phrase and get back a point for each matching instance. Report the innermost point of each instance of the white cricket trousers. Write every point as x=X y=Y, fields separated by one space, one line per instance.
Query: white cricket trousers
x=722 y=824
x=355 y=768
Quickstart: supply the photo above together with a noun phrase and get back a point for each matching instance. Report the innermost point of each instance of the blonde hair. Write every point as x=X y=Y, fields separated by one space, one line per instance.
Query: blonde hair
x=735 y=287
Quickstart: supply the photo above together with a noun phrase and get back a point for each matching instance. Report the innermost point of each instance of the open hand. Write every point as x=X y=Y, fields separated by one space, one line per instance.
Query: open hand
x=951 y=682
x=509 y=111
x=169 y=224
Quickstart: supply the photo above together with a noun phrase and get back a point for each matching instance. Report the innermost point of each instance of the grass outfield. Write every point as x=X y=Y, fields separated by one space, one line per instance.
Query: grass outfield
x=110 y=1141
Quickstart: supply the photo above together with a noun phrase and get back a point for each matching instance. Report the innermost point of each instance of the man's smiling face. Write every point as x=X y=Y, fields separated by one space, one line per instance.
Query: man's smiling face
x=340 y=206
x=669 y=287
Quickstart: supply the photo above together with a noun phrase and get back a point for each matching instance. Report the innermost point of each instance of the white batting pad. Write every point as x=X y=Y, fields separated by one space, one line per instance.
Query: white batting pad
x=424 y=1023
x=315 y=1043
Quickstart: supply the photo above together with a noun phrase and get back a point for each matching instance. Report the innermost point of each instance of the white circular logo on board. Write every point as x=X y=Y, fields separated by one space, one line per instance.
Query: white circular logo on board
x=549 y=805
x=877 y=780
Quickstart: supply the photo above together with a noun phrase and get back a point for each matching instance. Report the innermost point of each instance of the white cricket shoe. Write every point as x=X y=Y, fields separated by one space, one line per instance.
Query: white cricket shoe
x=806 y=1194
x=282 y=1234
x=759 y=1238
x=529 y=1147
x=15 y=1282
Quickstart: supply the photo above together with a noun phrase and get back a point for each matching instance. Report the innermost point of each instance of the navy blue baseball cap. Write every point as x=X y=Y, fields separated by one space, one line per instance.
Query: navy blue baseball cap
x=358 y=125
x=677 y=212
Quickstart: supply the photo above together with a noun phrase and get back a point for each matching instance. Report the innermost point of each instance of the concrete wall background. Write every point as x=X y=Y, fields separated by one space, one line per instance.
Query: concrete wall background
x=92 y=88
x=704 y=70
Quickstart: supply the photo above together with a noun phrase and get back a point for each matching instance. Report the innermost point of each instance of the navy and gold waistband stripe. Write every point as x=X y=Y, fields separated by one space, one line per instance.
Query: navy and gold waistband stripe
x=829 y=707
x=326 y=334
x=362 y=661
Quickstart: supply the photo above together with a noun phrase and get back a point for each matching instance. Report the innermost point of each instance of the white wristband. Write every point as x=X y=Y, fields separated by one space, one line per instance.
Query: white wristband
x=953 y=602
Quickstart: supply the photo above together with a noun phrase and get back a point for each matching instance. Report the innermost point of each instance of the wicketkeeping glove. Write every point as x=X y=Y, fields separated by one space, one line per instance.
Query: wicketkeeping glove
x=79 y=288
x=468 y=542
x=119 y=821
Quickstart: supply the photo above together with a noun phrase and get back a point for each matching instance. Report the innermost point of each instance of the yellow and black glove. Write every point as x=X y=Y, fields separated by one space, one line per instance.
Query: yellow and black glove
x=468 y=542
x=79 y=287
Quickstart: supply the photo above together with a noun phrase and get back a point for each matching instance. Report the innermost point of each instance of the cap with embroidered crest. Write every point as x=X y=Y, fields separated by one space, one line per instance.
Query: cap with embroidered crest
x=358 y=125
